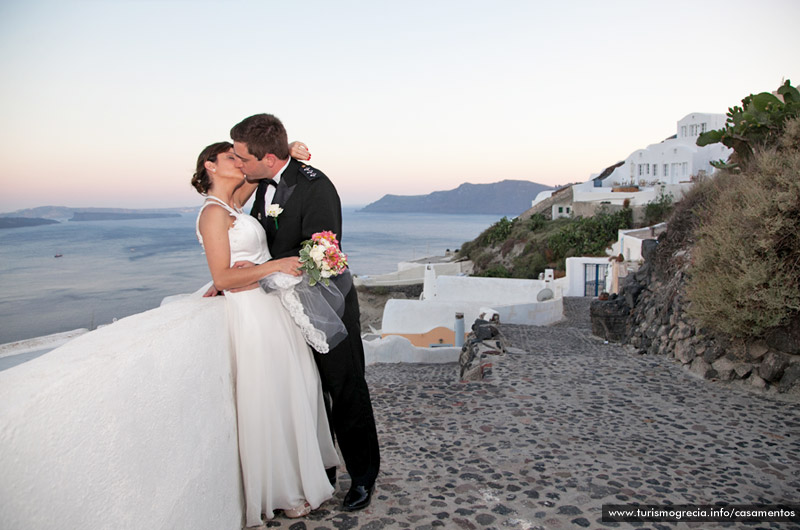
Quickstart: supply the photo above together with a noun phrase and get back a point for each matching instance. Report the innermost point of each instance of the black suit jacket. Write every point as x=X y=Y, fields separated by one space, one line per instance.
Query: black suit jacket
x=310 y=204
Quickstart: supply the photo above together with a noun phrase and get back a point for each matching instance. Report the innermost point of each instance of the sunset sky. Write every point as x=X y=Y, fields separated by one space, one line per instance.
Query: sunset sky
x=108 y=103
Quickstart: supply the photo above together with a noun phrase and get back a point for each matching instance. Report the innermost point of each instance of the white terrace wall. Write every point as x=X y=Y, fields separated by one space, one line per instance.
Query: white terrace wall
x=130 y=426
x=514 y=300
x=487 y=291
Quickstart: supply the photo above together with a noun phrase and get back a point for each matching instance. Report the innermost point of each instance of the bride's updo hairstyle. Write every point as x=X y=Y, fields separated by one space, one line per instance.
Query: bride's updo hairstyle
x=201 y=180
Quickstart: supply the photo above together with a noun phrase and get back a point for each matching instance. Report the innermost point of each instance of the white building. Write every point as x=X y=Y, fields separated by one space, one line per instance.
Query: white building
x=676 y=159
x=671 y=165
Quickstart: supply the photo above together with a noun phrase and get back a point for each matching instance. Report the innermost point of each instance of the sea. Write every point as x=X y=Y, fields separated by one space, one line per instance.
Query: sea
x=106 y=270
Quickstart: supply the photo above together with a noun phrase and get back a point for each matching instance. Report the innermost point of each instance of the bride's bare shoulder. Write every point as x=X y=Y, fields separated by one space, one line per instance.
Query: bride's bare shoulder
x=214 y=216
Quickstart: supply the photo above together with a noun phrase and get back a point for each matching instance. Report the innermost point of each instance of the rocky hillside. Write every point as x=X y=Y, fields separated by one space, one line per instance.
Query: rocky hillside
x=720 y=289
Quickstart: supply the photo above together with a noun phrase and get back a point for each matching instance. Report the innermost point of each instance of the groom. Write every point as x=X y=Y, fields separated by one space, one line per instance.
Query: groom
x=311 y=204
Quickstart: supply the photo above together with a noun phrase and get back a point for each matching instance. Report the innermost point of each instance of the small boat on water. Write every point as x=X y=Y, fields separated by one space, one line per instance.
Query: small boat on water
x=59 y=255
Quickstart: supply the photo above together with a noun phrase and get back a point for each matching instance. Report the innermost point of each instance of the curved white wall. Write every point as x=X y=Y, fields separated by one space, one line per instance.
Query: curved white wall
x=129 y=426
x=489 y=291
x=514 y=300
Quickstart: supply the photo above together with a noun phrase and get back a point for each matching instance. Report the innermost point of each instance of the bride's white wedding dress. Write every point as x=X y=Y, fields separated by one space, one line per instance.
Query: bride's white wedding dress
x=284 y=440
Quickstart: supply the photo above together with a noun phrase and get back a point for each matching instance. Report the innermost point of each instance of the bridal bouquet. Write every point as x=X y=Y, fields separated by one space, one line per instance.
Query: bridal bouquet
x=321 y=258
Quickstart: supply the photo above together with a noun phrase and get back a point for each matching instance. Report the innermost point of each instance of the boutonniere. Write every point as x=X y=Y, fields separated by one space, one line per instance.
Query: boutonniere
x=274 y=210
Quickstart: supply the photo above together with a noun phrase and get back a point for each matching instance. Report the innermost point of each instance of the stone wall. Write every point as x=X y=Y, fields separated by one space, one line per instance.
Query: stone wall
x=650 y=316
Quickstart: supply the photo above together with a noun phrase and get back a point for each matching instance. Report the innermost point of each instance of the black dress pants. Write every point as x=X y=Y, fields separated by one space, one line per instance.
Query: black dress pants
x=349 y=406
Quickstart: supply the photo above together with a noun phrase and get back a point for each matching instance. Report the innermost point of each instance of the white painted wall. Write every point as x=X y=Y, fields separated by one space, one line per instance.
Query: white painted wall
x=541 y=196
x=565 y=207
x=421 y=316
x=514 y=300
x=130 y=426
x=486 y=291
x=629 y=242
x=711 y=121
x=683 y=157
x=575 y=281
x=639 y=198
x=396 y=349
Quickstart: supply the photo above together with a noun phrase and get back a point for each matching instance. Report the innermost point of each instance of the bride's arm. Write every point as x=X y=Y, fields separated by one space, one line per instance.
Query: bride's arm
x=214 y=224
x=297 y=150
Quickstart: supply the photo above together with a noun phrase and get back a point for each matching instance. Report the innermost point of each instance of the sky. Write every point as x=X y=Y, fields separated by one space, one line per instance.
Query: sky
x=108 y=103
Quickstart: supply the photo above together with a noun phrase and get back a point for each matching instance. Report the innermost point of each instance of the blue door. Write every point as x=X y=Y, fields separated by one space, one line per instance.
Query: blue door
x=594 y=275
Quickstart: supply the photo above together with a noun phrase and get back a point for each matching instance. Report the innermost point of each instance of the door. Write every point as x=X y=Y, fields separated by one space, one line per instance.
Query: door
x=594 y=278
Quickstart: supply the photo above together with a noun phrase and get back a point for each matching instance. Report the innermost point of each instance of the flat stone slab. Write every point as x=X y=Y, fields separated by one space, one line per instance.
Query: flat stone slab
x=566 y=425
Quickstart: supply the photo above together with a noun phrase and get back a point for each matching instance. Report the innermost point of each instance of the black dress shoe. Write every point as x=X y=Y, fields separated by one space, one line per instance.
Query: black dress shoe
x=358 y=498
x=331 y=472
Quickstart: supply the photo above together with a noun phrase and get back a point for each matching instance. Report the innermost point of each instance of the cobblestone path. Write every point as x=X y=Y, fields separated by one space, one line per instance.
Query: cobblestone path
x=565 y=425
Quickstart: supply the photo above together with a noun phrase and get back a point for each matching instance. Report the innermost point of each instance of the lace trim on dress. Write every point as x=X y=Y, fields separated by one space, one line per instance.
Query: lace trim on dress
x=286 y=284
x=315 y=309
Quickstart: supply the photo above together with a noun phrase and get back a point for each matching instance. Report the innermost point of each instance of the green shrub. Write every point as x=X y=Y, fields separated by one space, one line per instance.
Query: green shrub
x=536 y=222
x=498 y=271
x=498 y=232
x=658 y=210
x=589 y=236
x=529 y=265
x=746 y=273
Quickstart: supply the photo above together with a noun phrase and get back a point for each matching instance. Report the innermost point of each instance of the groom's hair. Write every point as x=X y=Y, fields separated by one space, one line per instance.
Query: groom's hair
x=263 y=134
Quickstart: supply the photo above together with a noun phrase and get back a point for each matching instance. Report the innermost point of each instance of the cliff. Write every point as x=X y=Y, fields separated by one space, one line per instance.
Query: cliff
x=507 y=197
x=718 y=291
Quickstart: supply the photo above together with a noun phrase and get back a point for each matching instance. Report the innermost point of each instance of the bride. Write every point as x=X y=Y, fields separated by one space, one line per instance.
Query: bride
x=284 y=440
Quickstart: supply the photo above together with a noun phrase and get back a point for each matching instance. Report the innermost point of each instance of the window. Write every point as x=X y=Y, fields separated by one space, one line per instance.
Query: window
x=560 y=209
x=683 y=130
x=655 y=170
x=567 y=209
x=641 y=168
x=666 y=170
x=685 y=168
x=703 y=127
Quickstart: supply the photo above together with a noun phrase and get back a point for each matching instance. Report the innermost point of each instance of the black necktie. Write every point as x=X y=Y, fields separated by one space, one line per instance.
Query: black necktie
x=271 y=182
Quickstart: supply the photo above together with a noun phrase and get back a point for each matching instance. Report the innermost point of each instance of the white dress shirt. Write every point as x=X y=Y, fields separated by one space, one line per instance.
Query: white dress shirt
x=270 y=193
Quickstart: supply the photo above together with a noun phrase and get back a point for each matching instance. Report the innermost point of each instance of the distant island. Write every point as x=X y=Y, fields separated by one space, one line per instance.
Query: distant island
x=64 y=213
x=20 y=222
x=117 y=216
x=507 y=197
